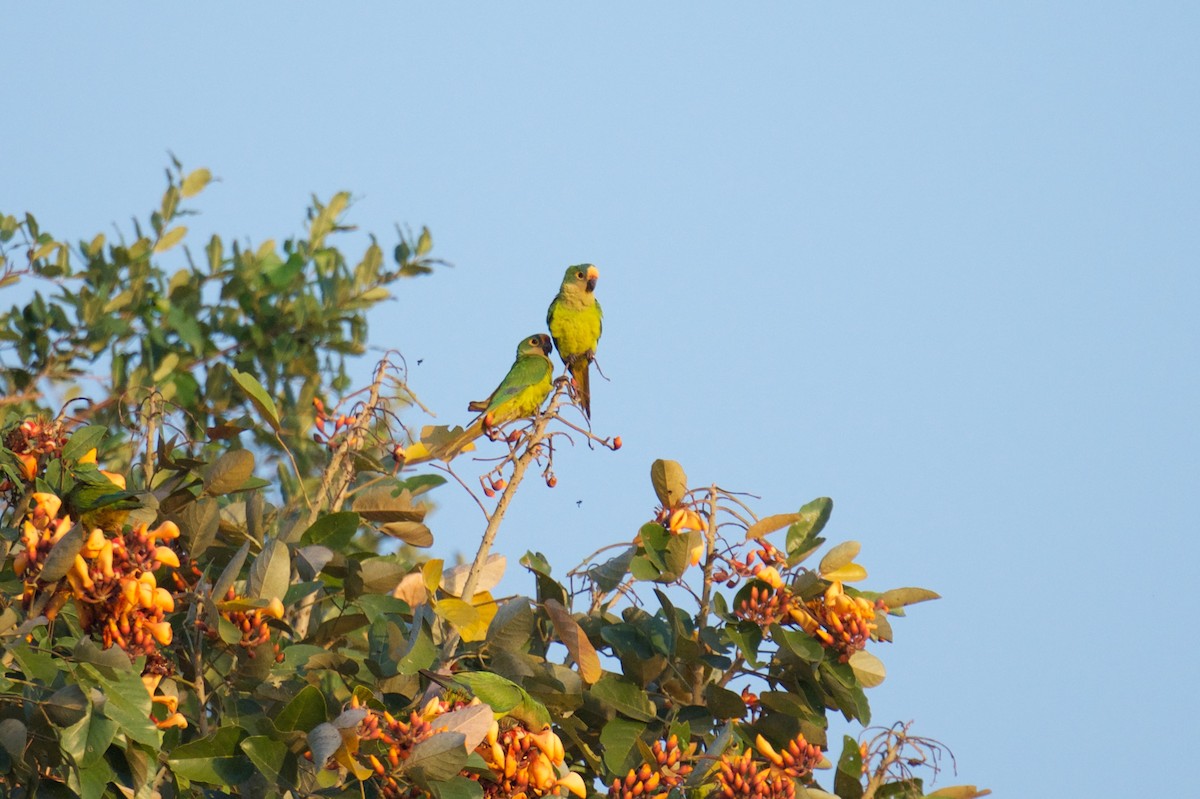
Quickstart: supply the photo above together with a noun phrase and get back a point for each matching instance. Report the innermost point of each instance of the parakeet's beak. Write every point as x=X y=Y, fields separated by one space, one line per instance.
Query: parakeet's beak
x=547 y=344
x=593 y=274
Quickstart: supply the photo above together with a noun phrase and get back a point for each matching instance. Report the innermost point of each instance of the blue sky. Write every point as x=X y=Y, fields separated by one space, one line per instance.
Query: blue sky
x=937 y=261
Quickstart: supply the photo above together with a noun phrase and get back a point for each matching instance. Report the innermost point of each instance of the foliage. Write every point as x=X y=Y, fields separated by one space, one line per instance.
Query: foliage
x=187 y=622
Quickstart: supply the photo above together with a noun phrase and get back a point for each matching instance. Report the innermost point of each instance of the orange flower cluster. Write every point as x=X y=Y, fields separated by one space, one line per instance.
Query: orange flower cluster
x=655 y=780
x=524 y=764
x=772 y=775
x=111 y=579
x=399 y=738
x=765 y=605
x=838 y=620
x=30 y=441
x=329 y=428
x=768 y=553
x=251 y=622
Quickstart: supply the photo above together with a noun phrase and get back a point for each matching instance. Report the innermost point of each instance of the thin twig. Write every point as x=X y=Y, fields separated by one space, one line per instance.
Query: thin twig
x=152 y=414
x=520 y=464
x=201 y=696
x=702 y=613
x=446 y=468
x=336 y=480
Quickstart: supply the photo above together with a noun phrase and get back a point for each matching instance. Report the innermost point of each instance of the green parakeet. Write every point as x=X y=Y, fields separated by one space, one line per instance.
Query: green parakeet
x=521 y=392
x=575 y=322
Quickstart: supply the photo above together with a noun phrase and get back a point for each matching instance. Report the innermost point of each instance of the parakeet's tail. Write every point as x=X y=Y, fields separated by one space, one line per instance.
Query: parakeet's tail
x=580 y=370
x=461 y=441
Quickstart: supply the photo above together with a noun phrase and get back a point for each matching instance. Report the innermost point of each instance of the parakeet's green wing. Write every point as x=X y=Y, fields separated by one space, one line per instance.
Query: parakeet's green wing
x=522 y=391
x=520 y=394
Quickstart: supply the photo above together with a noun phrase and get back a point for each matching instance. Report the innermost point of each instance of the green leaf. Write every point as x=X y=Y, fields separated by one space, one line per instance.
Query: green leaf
x=215 y=250
x=458 y=613
x=378 y=605
x=790 y=704
x=216 y=760
x=770 y=524
x=270 y=757
x=643 y=569
x=66 y=706
x=957 y=792
x=88 y=739
x=258 y=396
x=195 y=182
x=843 y=691
x=113 y=658
x=13 y=738
x=230 y=573
x=333 y=530
x=799 y=643
x=867 y=668
x=618 y=740
x=171 y=238
x=624 y=697
x=438 y=757
x=900 y=597
x=415 y=534
x=747 y=636
x=723 y=703
x=187 y=327
x=512 y=626
x=847 y=780
x=547 y=586
x=424 y=243
x=128 y=704
x=84 y=440
x=421 y=651
x=575 y=640
x=229 y=472
x=198 y=523
x=458 y=787
x=841 y=555
x=35 y=665
x=610 y=574
x=270 y=573
x=95 y=780
x=305 y=711
x=381 y=506
x=802 y=537
x=677 y=555
x=338 y=626
x=62 y=555
x=380 y=575
x=669 y=481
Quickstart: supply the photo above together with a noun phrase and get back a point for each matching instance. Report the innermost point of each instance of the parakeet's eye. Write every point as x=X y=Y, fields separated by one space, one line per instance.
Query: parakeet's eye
x=579 y=275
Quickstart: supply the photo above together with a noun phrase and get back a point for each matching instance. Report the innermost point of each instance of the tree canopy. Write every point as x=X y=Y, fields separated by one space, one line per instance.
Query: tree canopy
x=214 y=581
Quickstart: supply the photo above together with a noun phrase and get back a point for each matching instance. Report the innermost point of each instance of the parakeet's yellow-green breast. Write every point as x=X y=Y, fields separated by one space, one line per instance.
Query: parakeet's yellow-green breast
x=525 y=387
x=575 y=322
